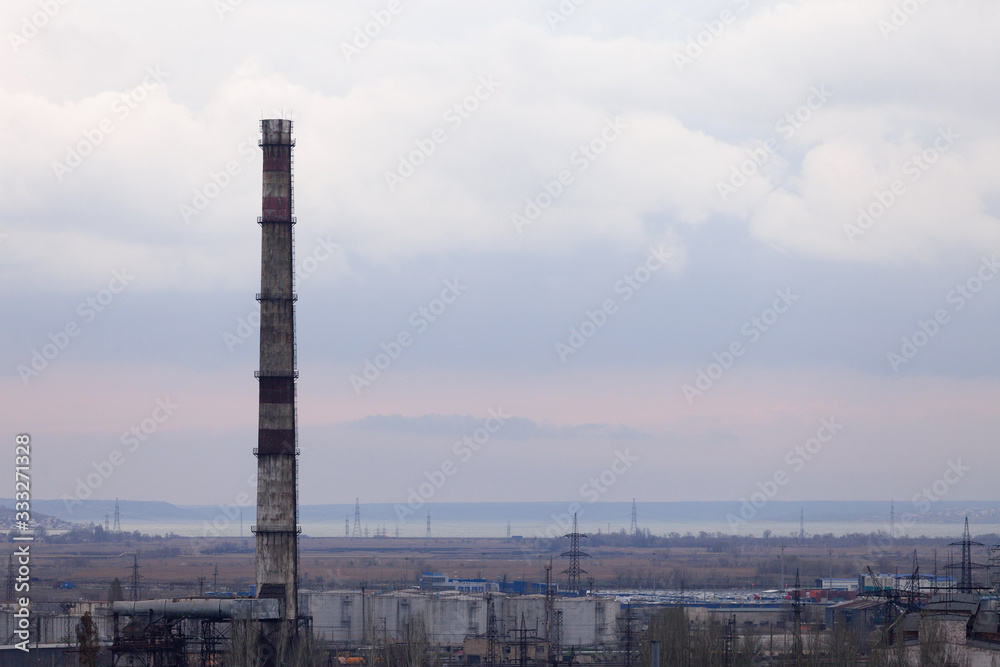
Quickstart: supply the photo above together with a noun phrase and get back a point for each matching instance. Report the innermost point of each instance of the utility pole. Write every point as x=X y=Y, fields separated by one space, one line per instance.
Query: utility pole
x=782 y=569
x=11 y=574
x=357 y=518
x=364 y=615
x=549 y=599
x=797 y=620
x=135 y=577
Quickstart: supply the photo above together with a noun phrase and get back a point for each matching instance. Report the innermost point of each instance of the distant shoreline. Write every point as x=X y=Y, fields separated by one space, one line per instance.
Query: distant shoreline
x=540 y=519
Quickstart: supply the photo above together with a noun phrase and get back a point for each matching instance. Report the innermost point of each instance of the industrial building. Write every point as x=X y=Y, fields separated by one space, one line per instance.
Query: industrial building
x=952 y=628
x=432 y=581
x=450 y=617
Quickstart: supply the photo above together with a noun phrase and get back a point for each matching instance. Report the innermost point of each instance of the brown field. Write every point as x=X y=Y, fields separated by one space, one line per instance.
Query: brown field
x=172 y=567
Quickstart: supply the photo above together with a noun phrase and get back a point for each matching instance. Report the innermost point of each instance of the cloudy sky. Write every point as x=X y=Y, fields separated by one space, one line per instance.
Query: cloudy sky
x=720 y=243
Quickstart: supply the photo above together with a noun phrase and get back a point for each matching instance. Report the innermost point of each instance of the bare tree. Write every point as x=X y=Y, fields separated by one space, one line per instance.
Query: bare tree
x=244 y=644
x=88 y=642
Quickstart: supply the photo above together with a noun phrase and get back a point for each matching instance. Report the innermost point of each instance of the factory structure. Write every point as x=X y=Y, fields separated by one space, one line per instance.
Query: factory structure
x=170 y=632
x=462 y=621
x=277 y=531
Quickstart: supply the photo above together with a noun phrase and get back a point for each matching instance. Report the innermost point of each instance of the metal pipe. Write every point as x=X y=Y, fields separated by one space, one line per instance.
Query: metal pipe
x=201 y=609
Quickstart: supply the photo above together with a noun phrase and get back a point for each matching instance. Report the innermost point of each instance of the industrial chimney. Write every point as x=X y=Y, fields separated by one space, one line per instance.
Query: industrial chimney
x=277 y=485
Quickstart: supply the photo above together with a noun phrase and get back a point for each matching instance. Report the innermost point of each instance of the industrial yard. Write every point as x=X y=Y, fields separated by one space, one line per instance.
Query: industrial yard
x=362 y=596
x=173 y=566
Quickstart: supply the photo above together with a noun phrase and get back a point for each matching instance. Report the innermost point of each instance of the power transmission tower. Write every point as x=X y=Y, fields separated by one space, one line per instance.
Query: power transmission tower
x=629 y=637
x=797 y=621
x=913 y=599
x=574 y=554
x=556 y=640
x=966 y=565
x=522 y=642
x=492 y=645
x=215 y=579
x=118 y=522
x=635 y=519
x=729 y=645
x=357 y=518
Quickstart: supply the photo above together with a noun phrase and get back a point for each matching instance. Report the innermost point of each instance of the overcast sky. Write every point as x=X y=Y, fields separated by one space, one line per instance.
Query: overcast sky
x=567 y=211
